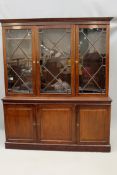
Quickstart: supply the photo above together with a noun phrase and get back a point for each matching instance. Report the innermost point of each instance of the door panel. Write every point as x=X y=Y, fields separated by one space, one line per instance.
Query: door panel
x=56 y=60
x=19 y=120
x=92 y=57
x=19 y=53
x=94 y=124
x=57 y=123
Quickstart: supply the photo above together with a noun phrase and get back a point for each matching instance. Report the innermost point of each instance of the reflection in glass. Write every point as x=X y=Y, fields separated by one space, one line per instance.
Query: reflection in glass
x=19 y=60
x=55 y=61
x=92 y=51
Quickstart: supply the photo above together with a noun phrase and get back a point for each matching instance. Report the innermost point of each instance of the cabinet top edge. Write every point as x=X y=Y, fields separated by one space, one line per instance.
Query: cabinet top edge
x=56 y=99
x=56 y=19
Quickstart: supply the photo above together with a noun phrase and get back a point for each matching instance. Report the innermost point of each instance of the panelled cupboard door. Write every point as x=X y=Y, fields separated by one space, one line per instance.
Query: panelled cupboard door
x=94 y=124
x=56 y=123
x=56 y=52
x=19 y=60
x=19 y=123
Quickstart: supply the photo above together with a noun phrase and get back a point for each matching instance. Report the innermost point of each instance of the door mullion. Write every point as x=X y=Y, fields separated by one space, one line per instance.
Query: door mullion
x=34 y=60
x=77 y=59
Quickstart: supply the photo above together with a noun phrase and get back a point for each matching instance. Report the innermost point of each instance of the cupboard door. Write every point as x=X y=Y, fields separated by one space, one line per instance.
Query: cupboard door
x=57 y=123
x=94 y=124
x=19 y=58
x=92 y=56
x=56 y=48
x=19 y=120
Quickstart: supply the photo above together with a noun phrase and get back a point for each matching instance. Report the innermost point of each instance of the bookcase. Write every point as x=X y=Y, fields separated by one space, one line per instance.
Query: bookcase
x=56 y=83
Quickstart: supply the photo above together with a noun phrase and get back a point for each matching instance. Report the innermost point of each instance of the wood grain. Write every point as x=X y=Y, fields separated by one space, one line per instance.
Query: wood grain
x=57 y=123
x=94 y=124
x=19 y=121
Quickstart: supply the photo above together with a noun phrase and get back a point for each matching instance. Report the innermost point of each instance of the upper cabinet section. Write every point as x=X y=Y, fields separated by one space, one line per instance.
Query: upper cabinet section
x=56 y=57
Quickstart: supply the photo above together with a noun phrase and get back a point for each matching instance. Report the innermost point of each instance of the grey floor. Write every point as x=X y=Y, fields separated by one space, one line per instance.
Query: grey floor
x=26 y=162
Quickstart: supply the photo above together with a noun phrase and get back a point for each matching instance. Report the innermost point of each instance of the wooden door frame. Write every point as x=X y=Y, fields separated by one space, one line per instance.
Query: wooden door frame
x=107 y=58
x=5 y=60
x=40 y=107
x=37 y=38
x=18 y=106
x=106 y=127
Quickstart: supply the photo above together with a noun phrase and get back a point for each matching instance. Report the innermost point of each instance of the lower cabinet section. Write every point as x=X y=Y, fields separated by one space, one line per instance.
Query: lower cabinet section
x=57 y=127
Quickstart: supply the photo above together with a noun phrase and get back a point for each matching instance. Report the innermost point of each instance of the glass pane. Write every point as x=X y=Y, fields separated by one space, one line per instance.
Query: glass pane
x=19 y=60
x=92 y=55
x=55 y=61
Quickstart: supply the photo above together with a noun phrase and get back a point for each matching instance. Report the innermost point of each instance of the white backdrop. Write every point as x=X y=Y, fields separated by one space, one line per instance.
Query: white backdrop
x=56 y=163
x=65 y=8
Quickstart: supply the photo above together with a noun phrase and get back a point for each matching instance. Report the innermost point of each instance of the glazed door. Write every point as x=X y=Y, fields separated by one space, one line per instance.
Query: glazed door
x=92 y=59
x=55 y=69
x=56 y=123
x=19 y=58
